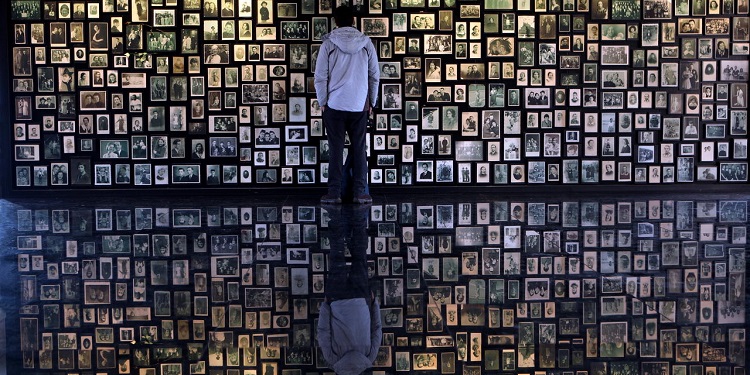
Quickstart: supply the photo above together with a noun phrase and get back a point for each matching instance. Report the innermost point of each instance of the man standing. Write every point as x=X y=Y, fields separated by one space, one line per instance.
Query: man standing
x=346 y=82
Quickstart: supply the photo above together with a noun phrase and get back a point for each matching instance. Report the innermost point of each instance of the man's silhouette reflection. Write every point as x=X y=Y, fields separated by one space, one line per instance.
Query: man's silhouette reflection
x=349 y=328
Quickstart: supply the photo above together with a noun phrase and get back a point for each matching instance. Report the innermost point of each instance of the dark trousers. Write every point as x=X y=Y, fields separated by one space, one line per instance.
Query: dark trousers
x=338 y=124
x=347 y=281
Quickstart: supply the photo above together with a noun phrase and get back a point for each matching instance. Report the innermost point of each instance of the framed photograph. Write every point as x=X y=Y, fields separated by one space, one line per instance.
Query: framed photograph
x=391 y=99
x=97 y=292
x=296 y=133
x=375 y=26
x=438 y=44
x=425 y=171
x=537 y=97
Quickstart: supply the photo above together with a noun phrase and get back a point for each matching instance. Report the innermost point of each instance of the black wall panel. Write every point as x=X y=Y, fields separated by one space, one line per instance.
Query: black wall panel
x=139 y=94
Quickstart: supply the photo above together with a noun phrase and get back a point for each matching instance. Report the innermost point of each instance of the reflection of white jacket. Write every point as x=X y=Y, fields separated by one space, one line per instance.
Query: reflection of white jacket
x=349 y=334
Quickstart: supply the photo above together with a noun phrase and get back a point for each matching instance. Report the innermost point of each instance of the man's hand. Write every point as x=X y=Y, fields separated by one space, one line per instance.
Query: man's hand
x=322 y=109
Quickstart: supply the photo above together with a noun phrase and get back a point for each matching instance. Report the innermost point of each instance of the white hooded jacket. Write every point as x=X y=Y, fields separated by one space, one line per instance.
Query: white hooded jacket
x=346 y=71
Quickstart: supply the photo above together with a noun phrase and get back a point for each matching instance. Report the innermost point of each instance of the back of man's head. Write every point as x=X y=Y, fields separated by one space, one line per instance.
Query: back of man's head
x=343 y=16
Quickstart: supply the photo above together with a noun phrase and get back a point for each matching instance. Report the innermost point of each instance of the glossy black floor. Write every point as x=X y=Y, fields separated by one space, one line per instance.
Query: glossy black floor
x=461 y=284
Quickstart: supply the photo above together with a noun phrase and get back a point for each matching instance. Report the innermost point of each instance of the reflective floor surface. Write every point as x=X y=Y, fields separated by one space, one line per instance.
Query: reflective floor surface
x=474 y=284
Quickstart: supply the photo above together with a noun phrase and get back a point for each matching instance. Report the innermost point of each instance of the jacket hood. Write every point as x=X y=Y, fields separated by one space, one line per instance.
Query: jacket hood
x=352 y=363
x=347 y=39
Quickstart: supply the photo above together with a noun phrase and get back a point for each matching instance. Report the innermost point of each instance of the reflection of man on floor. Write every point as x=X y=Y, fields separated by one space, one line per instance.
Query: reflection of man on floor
x=349 y=328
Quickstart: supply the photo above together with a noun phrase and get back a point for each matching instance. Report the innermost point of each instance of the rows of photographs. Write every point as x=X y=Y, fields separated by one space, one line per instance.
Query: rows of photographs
x=620 y=287
x=125 y=93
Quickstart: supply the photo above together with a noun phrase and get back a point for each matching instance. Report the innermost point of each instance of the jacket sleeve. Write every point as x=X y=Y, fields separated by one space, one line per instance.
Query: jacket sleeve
x=322 y=73
x=373 y=81
x=324 y=332
x=376 y=331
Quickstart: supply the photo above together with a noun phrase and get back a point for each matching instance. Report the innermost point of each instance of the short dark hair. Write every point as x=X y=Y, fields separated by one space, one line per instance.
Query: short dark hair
x=343 y=16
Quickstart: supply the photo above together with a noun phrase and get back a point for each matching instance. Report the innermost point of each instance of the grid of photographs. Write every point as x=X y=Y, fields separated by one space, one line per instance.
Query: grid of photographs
x=570 y=287
x=131 y=94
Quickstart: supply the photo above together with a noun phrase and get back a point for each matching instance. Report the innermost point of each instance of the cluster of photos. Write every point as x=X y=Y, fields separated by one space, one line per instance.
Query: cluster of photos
x=219 y=93
x=572 y=287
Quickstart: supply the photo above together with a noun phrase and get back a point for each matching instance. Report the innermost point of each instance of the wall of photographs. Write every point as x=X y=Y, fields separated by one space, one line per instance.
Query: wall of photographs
x=219 y=93
x=563 y=287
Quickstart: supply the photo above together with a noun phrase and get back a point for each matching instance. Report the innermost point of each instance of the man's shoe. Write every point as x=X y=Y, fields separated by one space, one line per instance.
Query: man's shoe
x=330 y=199
x=363 y=199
